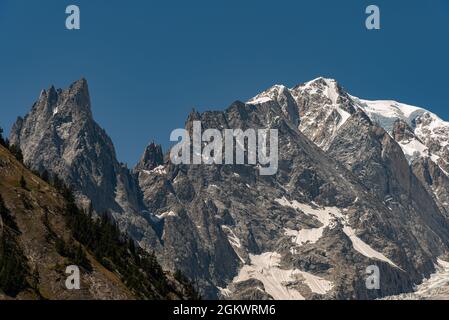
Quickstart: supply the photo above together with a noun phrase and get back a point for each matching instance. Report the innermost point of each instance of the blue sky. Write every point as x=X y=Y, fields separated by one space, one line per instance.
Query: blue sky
x=148 y=63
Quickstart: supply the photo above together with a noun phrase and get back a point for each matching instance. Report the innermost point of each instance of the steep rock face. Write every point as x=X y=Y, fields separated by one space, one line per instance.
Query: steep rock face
x=60 y=135
x=309 y=231
x=284 y=98
x=424 y=140
x=376 y=159
x=411 y=145
x=324 y=107
x=402 y=131
x=431 y=132
x=434 y=133
x=435 y=180
x=318 y=107
x=151 y=158
x=422 y=136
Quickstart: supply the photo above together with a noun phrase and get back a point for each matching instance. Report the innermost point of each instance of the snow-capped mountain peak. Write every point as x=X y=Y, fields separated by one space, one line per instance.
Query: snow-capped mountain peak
x=431 y=133
x=386 y=112
x=281 y=95
x=320 y=107
x=324 y=86
x=269 y=94
x=323 y=107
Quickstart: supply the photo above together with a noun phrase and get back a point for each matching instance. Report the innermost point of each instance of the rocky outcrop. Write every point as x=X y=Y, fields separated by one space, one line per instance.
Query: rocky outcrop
x=402 y=131
x=60 y=135
x=324 y=107
x=151 y=158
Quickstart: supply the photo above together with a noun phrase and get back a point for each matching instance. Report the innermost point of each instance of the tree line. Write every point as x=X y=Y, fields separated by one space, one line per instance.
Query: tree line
x=13 y=264
x=139 y=270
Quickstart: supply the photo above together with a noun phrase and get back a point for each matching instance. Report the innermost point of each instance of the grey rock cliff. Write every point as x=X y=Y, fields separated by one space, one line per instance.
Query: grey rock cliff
x=151 y=158
x=60 y=135
x=226 y=225
x=360 y=183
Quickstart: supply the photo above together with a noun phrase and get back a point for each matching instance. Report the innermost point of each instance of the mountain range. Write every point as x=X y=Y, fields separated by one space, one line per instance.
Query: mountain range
x=360 y=183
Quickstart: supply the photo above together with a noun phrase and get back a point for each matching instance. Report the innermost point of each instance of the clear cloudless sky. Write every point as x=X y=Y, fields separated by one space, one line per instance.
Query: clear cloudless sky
x=148 y=63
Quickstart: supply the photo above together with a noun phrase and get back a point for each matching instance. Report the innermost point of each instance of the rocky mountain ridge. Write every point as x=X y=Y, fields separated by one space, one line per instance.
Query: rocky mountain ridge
x=60 y=135
x=349 y=193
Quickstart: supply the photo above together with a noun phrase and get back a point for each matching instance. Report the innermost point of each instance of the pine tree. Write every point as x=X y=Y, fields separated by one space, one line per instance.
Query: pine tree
x=23 y=183
x=19 y=155
x=13 y=265
x=6 y=216
x=2 y=141
x=45 y=176
x=80 y=258
x=58 y=183
x=139 y=270
x=17 y=152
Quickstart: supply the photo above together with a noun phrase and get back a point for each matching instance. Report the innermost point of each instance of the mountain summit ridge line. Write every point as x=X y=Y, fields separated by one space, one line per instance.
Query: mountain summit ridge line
x=355 y=187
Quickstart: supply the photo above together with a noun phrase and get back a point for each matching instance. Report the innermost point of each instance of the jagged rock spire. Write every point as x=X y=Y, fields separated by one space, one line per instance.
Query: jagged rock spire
x=151 y=158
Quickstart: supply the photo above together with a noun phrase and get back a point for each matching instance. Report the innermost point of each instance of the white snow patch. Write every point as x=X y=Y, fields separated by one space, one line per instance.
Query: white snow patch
x=233 y=239
x=388 y=108
x=328 y=216
x=286 y=203
x=344 y=117
x=166 y=214
x=160 y=170
x=331 y=90
x=363 y=248
x=225 y=292
x=265 y=268
x=414 y=149
x=305 y=236
x=437 y=280
x=259 y=100
x=315 y=283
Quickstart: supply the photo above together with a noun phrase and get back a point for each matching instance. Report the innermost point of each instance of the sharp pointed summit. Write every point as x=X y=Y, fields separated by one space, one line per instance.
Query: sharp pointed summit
x=60 y=135
x=152 y=158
